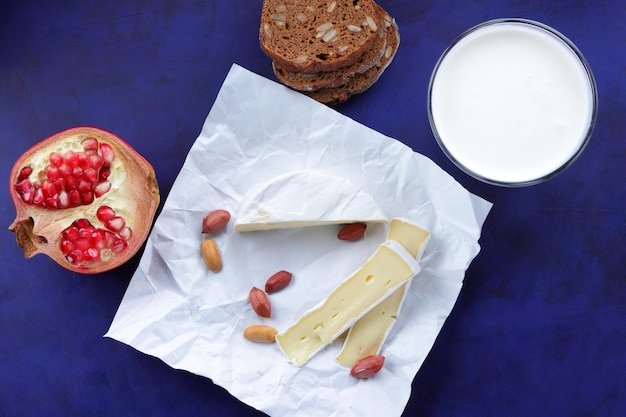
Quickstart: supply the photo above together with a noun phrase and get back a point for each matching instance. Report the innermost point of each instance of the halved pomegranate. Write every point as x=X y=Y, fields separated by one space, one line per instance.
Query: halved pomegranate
x=85 y=198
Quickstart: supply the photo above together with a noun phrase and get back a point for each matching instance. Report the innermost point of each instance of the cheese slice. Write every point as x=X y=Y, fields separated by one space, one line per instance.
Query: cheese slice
x=306 y=198
x=388 y=268
x=367 y=336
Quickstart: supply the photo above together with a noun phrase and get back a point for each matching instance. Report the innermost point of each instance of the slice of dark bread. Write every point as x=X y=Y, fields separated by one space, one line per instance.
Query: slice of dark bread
x=328 y=79
x=361 y=82
x=317 y=35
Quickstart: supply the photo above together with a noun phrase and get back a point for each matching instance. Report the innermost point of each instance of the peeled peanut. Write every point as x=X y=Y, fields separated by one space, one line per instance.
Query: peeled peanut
x=260 y=303
x=215 y=221
x=211 y=254
x=367 y=366
x=259 y=333
x=277 y=281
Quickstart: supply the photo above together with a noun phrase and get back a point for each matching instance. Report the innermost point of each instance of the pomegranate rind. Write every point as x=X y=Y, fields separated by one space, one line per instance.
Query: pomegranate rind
x=135 y=194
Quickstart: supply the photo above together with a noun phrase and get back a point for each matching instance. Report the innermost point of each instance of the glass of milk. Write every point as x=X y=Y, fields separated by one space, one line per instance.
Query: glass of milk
x=512 y=102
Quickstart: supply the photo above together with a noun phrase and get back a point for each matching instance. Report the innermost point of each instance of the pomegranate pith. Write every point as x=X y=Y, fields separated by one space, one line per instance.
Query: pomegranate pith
x=85 y=198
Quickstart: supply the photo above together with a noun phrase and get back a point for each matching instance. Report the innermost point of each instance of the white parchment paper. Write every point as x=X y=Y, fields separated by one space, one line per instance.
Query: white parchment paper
x=193 y=319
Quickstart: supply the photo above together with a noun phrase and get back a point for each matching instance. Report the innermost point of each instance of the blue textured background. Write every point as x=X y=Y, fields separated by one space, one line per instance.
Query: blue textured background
x=539 y=328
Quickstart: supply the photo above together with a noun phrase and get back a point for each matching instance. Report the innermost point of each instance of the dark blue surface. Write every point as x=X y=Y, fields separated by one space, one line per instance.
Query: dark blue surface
x=540 y=326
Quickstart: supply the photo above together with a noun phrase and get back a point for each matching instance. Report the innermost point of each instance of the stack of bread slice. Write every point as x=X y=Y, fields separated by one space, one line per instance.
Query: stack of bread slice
x=328 y=49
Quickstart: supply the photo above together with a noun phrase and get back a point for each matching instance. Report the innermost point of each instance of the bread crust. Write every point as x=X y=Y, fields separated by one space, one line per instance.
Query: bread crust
x=312 y=36
x=361 y=82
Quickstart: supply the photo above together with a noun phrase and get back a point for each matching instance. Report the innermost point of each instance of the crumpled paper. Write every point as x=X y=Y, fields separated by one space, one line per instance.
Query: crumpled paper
x=193 y=319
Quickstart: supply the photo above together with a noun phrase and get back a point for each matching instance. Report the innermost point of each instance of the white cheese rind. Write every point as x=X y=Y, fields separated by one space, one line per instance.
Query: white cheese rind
x=367 y=336
x=387 y=269
x=306 y=198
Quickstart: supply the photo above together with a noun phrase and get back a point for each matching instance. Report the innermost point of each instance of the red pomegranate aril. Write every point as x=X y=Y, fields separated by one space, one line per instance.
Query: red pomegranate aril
x=38 y=197
x=90 y=144
x=56 y=159
x=83 y=186
x=28 y=196
x=64 y=199
x=115 y=224
x=105 y=213
x=107 y=153
x=24 y=173
x=87 y=198
x=67 y=246
x=51 y=202
x=74 y=198
x=75 y=257
x=77 y=172
x=71 y=159
x=60 y=184
x=125 y=233
x=119 y=246
x=71 y=233
x=65 y=170
x=48 y=188
x=91 y=254
x=53 y=173
x=91 y=175
x=101 y=188
x=95 y=161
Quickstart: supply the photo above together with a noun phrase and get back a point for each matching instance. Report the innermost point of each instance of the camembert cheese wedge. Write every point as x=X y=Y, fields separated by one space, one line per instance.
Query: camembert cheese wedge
x=387 y=269
x=367 y=336
x=306 y=198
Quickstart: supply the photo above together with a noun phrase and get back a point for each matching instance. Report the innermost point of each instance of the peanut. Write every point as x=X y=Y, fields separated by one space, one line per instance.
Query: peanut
x=367 y=366
x=211 y=254
x=352 y=231
x=259 y=333
x=260 y=303
x=215 y=221
x=277 y=282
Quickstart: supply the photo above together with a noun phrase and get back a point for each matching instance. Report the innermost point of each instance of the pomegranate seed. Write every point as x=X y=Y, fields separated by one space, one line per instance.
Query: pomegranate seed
x=101 y=188
x=77 y=172
x=90 y=144
x=115 y=224
x=71 y=233
x=52 y=201
x=38 y=197
x=107 y=152
x=91 y=254
x=83 y=160
x=82 y=223
x=67 y=246
x=24 y=173
x=65 y=170
x=95 y=161
x=75 y=256
x=91 y=175
x=85 y=232
x=60 y=184
x=119 y=246
x=84 y=186
x=105 y=172
x=105 y=213
x=71 y=159
x=88 y=198
x=82 y=244
x=53 y=173
x=56 y=159
x=28 y=196
x=64 y=199
x=23 y=186
x=125 y=233
x=74 y=198
x=48 y=188
x=71 y=183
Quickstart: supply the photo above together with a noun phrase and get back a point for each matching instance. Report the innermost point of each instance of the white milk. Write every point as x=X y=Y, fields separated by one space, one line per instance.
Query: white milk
x=511 y=103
